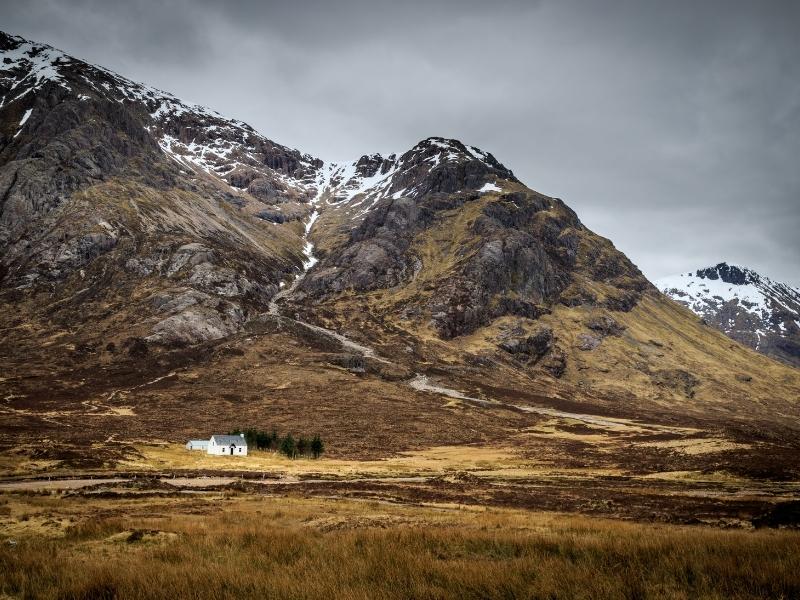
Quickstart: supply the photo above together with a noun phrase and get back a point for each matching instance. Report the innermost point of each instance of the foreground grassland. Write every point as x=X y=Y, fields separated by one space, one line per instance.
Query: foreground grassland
x=223 y=545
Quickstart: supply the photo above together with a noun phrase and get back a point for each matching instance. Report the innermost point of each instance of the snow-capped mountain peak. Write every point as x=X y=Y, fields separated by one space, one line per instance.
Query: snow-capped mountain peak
x=434 y=164
x=747 y=306
x=722 y=282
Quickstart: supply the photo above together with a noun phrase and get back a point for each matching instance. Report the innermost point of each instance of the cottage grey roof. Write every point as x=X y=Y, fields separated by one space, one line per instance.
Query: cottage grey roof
x=227 y=440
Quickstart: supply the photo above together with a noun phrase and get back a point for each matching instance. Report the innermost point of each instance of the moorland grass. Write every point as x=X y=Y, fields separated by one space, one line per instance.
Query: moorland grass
x=298 y=548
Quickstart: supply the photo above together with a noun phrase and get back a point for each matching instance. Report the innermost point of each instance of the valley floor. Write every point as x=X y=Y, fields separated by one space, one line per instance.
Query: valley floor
x=447 y=484
x=475 y=476
x=569 y=505
x=227 y=543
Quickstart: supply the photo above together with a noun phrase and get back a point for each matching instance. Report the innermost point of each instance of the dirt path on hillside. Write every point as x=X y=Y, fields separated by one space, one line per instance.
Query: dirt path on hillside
x=424 y=384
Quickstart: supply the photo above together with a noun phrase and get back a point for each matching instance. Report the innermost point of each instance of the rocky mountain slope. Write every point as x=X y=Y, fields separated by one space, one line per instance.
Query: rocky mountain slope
x=748 y=307
x=162 y=263
x=106 y=183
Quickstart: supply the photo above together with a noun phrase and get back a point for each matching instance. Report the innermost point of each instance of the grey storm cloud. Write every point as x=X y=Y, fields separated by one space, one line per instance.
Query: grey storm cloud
x=673 y=128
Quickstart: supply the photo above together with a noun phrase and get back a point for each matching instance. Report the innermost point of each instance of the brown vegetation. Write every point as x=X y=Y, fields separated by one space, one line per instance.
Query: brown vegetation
x=218 y=546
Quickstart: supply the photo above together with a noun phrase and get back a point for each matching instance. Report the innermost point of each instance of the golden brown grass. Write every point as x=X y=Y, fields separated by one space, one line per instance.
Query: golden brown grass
x=438 y=460
x=661 y=335
x=218 y=547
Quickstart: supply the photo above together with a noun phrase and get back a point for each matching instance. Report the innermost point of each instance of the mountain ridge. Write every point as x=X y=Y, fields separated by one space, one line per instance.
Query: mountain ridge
x=183 y=143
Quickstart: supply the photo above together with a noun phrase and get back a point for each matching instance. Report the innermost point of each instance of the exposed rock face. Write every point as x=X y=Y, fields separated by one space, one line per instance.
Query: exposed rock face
x=104 y=182
x=533 y=346
x=536 y=350
x=729 y=274
x=520 y=253
x=376 y=256
x=438 y=165
x=587 y=342
x=746 y=306
x=193 y=325
x=604 y=325
x=555 y=363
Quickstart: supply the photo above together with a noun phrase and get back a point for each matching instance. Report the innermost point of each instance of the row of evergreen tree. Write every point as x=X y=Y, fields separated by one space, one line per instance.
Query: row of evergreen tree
x=287 y=445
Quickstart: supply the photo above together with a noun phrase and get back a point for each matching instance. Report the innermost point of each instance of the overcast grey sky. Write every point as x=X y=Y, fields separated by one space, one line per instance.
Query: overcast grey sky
x=671 y=127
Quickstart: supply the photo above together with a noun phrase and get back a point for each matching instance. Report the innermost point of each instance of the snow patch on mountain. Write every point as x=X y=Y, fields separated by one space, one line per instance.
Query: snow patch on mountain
x=23 y=120
x=490 y=187
x=308 y=246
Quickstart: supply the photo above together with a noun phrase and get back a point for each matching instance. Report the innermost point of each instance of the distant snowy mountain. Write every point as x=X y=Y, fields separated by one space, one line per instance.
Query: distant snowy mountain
x=745 y=305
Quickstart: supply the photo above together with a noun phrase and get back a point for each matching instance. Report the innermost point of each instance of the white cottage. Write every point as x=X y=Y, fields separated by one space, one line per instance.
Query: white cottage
x=230 y=445
x=197 y=445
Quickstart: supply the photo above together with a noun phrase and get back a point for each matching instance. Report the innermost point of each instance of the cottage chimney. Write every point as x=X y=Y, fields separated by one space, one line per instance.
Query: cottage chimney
x=241 y=435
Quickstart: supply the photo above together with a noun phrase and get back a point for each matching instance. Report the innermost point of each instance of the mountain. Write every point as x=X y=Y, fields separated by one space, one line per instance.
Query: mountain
x=165 y=270
x=158 y=186
x=748 y=307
